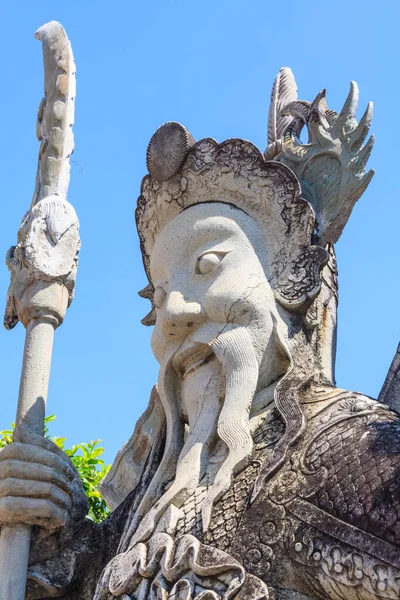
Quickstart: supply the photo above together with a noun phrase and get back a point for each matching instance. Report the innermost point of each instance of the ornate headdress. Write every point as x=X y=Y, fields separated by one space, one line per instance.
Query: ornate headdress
x=300 y=209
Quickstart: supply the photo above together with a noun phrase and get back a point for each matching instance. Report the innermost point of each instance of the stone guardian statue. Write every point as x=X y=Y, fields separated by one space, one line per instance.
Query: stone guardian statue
x=250 y=476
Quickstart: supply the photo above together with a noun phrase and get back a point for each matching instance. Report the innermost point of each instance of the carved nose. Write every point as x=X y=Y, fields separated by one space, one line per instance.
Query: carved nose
x=179 y=315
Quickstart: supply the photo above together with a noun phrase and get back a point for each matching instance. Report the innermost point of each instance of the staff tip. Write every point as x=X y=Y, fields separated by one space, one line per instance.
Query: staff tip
x=40 y=33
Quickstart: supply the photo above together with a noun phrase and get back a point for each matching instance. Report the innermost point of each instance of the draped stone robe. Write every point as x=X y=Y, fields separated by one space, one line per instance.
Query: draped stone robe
x=326 y=525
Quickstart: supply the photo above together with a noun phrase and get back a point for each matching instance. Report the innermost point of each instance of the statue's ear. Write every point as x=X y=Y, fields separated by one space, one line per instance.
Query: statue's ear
x=148 y=293
x=300 y=282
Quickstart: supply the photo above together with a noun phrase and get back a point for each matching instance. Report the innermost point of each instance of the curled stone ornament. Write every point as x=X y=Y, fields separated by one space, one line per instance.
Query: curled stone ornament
x=167 y=150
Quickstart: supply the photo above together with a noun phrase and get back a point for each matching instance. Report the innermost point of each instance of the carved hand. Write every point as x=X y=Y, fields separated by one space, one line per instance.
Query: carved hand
x=38 y=483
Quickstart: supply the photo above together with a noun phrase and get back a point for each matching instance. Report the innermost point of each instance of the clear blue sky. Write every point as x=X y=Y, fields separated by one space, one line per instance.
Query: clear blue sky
x=210 y=65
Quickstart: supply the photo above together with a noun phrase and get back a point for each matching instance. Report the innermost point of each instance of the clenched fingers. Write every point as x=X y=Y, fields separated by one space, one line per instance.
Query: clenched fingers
x=10 y=487
x=32 y=511
x=27 y=437
x=17 y=469
x=34 y=454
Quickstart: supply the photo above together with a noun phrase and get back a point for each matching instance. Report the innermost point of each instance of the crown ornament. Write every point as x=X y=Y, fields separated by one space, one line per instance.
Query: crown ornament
x=331 y=165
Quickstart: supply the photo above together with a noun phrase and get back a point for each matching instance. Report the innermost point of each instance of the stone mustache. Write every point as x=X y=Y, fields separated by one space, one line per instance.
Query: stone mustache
x=250 y=475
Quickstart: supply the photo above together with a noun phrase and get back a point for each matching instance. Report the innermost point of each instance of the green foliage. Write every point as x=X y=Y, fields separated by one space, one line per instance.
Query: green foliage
x=86 y=458
x=6 y=436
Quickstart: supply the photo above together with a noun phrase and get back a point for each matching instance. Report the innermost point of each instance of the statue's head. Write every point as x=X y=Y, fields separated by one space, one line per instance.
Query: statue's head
x=218 y=189
x=228 y=241
x=242 y=282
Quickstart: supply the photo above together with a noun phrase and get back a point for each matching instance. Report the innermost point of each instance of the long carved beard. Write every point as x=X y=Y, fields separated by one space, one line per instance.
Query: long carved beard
x=234 y=350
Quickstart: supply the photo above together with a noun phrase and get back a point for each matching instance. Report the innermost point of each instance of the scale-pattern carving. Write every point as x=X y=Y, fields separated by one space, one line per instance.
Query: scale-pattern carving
x=363 y=484
x=229 y=510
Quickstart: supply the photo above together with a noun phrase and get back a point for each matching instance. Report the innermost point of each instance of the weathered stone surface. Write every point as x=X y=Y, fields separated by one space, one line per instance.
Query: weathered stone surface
x=250 y=475
x=43 y=264
x=37 y=482
x=331 y=166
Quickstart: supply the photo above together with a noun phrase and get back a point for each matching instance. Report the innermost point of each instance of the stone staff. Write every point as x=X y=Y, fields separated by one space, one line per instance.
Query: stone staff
x=43 y=270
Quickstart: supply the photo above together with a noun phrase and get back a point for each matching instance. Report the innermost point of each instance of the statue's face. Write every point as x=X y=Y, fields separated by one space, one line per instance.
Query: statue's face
x=209 y=274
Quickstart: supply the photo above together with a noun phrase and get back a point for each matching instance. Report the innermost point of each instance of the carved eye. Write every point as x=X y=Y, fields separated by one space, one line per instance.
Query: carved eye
x=208 y=262
x=159 y=297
